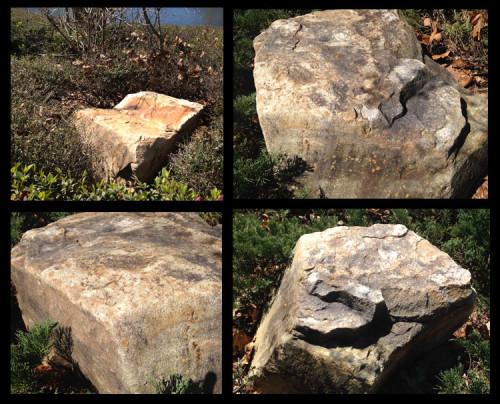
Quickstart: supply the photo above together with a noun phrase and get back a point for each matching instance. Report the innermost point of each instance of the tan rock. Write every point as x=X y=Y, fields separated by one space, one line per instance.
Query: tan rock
x=351 y=93
x=138 y=134
x=355 y=304
x=139 y=292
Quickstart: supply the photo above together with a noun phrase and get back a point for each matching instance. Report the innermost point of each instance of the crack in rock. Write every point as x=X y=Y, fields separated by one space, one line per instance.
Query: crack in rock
x=298 y=40
x=414 y=79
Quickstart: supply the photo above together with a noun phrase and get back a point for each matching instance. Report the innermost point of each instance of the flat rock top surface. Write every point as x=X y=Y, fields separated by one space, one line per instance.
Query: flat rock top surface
x=146 y=113
x=170 y=112
x=359 y=270
x=113 y=261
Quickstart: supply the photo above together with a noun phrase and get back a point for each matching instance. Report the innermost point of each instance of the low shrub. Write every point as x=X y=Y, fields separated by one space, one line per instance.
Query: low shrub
x=29 y=184
x=29 y=351
x=199 y=162
x=473 y=376
x=175 y=384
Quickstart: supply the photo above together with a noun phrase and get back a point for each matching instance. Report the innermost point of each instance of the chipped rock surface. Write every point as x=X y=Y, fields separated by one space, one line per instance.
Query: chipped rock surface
x=351 y=93
x=140 y=292
x=137 y=135
x=356 y=303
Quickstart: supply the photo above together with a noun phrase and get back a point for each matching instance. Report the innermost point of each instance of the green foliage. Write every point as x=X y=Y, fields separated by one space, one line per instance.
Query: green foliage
x=476 y=380
x=175 y=384
x=36 y=343
x=471 y=245
x=29 y=184
x=244 y=106
x=21 y=222
x=200 y=161
x=29 y=351
x=22 y=375
x=412 y=16
x=27 y=38
x=400 y=216
x=357 y=217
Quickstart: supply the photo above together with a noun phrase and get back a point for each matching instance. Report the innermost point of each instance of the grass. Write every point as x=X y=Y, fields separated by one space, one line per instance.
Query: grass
x=49 y=83
x=262 y=249
x=258 y=174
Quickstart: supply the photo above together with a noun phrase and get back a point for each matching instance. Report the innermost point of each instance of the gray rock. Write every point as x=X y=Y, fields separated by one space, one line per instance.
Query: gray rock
x=140 y=294
x=355 y=304
x=351 y=93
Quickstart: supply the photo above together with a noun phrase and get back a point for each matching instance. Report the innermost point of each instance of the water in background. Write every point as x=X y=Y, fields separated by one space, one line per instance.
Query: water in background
x=181 y=16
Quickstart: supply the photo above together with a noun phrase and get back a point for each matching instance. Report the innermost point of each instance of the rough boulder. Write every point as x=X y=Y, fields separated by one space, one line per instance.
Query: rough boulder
x=140 y=294
x=355 y=304
x=137 y=135
x=352 y=94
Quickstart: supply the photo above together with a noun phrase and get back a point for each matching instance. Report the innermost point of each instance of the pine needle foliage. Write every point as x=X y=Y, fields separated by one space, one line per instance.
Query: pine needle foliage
x=29 y=351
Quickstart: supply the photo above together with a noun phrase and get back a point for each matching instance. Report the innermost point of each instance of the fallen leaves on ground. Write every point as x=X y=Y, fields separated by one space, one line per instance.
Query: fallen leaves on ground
x=478 y=20
x=482 y=191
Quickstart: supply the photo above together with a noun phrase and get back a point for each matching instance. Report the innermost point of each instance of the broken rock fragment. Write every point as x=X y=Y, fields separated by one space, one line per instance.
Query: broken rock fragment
x=139 y=293
x=137 y=135
x=355 y=304
x=351 y=93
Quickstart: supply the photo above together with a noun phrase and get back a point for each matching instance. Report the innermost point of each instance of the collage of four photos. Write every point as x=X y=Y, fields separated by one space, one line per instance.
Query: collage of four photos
x=234 y=201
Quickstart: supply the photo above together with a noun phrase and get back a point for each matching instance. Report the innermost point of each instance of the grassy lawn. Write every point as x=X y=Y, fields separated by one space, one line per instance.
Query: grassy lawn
x=49 y=81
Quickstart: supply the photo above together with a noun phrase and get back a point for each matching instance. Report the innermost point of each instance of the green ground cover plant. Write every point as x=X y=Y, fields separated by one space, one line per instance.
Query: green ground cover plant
x=175 y=384
x=50 y=80
x=262 y=249
x=259 y=174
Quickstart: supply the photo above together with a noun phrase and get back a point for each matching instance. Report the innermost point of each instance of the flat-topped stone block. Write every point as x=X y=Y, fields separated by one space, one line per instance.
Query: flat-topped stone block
x=140 y=292
x=137 y=135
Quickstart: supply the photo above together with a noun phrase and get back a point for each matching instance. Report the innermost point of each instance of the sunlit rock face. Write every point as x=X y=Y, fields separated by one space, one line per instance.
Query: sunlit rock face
x=141 y=294
x=352 y=94
x=355 y=304
x=136 y=137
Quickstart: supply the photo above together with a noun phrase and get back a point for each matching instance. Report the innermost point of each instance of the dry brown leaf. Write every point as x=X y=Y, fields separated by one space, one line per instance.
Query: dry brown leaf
x=240 y=340
x=478 y=23
x=264 y=224
x=459 y=63
x=427 y=22
x=424 y=38
x=443 y=55
x=464 y=77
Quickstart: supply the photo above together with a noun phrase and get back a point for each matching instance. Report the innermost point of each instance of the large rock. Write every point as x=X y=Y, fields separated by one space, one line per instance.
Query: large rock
x=140 y=292
x=351 y=93
x=138 y=134
x=354 y=305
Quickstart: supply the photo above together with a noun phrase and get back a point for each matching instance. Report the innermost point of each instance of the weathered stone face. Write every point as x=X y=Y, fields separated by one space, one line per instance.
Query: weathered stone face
x=138 y=134
x=141 y=293
x=355 y=303
x=351 y=93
